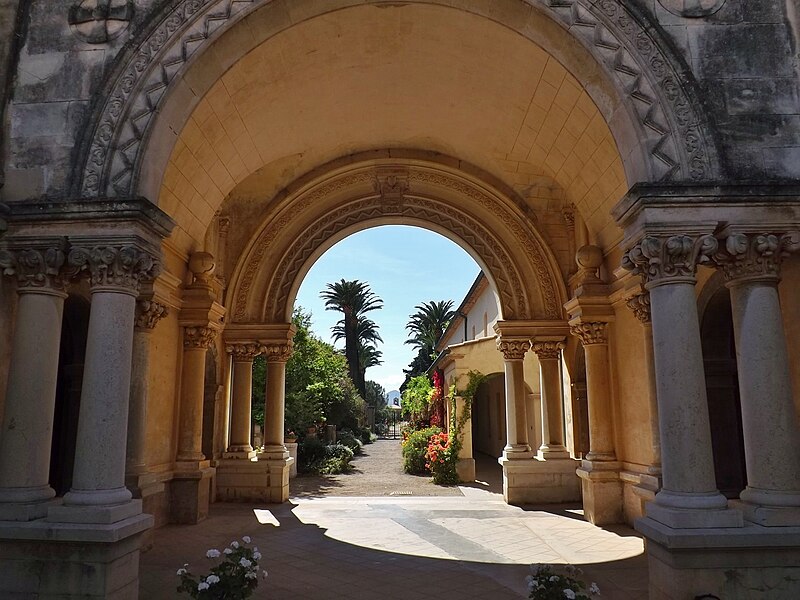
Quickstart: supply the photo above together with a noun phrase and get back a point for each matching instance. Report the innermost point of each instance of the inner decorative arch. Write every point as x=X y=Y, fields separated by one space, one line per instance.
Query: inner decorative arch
x=486 y=223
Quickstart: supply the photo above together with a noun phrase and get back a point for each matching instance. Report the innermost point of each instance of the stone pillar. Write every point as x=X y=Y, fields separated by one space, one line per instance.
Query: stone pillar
x=26 y=438
x=148 y=313
x=751 y=264
x=549 y=355
x=689 y=497
x=241 y=404
x=196 y=342
x=516 y=420
x=275 y=454
x=465 y=467
x=98 y=493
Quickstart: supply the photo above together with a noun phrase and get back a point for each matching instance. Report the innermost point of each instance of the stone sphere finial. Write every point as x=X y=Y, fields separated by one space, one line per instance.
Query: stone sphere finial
x=202 y=265
x=589 y=259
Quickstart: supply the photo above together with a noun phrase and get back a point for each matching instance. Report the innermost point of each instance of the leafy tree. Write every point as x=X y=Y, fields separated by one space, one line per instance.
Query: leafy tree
x=353 y=299
x=376 y=395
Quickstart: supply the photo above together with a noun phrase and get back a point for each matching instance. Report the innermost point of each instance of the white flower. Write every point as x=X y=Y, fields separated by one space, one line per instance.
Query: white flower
x=257 y=555
x=264 y=574
x=594 y=590
x=227 y=551
x=212 y=579
x=245 y=563
x=553 y=578
x=234 y=544
x=255 y=548
x=569 y=594
x=250 y=575
x=182 y=571
x=246 y=539
x=213 y=553
x=202 y=586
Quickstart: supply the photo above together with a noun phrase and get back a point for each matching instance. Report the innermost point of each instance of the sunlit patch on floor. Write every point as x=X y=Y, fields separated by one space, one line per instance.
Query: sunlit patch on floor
x=265 y=517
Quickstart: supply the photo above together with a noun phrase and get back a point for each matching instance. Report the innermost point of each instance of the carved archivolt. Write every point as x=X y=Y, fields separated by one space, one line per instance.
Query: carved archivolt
x=508 y=252
x=652 y=81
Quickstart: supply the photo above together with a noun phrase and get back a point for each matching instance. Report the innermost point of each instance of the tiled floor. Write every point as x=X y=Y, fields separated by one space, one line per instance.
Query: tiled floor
x=471 y=545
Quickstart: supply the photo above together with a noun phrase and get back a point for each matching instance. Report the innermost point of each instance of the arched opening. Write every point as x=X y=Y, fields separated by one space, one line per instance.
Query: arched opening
x=722 y=389
x=74 y=330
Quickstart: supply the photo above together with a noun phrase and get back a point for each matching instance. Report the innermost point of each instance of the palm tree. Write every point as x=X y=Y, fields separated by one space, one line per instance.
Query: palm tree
x=368 y=356
x=353 y=299
x=427 y=325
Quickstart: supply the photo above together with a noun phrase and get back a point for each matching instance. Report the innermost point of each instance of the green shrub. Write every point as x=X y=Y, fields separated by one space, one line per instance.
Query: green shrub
x=414 y=448
x=346 y=438
x=337 y=459
x=310 y=455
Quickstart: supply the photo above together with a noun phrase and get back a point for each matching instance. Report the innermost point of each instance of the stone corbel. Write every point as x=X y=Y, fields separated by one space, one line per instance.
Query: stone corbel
x=36 y=263
x=755 y=256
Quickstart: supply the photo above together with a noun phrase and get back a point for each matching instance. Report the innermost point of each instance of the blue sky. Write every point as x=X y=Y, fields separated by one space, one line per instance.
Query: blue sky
x=405 y=266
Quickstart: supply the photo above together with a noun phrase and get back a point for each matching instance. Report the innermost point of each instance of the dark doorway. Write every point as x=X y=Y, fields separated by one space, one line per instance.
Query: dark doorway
x=722 y=387
x=74 y=331
x=489 y=416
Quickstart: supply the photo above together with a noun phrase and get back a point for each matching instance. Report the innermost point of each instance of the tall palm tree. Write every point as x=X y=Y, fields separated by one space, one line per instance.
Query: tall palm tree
x=353 y=299
x=368 y=356
x=427 y=325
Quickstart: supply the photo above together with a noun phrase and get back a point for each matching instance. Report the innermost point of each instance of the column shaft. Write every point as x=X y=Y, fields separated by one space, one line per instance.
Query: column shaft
x=516 y=420
x=190 y=437
x=241 y=405
x=27 y=432
x=99 y=474
x=598 y=389
x=552 y=401
x=137 y=410
x=274 y=406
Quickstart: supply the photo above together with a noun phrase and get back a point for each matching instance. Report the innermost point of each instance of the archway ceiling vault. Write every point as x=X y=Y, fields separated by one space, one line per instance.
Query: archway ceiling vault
x=424 y=77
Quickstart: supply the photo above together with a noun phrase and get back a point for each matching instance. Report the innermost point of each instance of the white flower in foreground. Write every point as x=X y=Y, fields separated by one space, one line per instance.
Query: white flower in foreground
x=234 y=544
x=257 y=555
x=227 y=551
x=212 y=579
x=250 y=575
x=594 y=590
x=569 y=594
x=245 y=563
x=255 y=548
x=246 y=539
x=213 y=553
x=553 y=578
x=264 y=574
x=202 y=586
x=181 y=571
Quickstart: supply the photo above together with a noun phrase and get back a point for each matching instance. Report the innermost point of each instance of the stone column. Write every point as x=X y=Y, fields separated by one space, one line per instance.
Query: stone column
x=242 y=393
x=549 y=355
x=196 y=342
x=751 y=264
x=689 y=498
x=98 y=492
x=148 y=313
x=26 y=438
x=516 y=420
x=275 y=454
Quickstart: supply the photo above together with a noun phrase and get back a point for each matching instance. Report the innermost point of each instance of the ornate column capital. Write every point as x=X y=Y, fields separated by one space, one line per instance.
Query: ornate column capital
x=663 y=259
x=148 y=313
x=36 y=267
x=513 y=349
x=120 y=268
x=591 y=333
x=199 y=337
x=547 y=349
x=755 y=257
x=280 y=352
x=640 y=305
x=244 y=351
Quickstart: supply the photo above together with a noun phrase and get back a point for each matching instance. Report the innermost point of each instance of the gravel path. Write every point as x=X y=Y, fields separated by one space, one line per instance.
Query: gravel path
x=378 y=472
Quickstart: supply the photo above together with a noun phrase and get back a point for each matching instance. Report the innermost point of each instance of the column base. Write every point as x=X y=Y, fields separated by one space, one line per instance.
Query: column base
x=239 y=455
x=54 y=561
x=103 y=515
x=602 y=492
x=278 y=473
x=553 y=453
x=247 y=481
x=292 y=449
x=753 y=562
x=26 y=511
x=535 y=481
x=465 y=469
x=769 y=516
x=693 y=511
x=190 y=495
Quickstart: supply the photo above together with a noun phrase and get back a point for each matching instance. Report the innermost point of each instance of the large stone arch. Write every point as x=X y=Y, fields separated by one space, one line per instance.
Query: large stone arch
x=647 y=94
x=326 y=207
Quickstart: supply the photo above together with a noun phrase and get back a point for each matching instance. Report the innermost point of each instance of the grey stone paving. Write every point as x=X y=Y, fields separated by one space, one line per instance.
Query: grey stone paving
x=327 y=546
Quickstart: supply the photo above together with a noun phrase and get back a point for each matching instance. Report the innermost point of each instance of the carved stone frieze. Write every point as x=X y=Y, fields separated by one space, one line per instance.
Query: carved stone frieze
x=277 y=352
x=660 y=258
x=513 y=349
x=123 y=267
x=391 y=185
x=35 y=267
x=640 y=305
x=244 y=351
x=590 y=333
x=547 y=349
x=756 y=256
x=199 y=337
x=149 y=312
x=98 y=21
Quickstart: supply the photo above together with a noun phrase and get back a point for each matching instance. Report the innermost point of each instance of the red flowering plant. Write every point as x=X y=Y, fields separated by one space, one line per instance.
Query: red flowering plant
x=441 y=458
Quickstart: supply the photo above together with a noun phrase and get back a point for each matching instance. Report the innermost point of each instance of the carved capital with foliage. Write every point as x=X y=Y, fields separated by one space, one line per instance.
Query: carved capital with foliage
x=121 y=267
x=640 y=305
x=547 y=350
x=199 y=337
x=244 y=351
x=513 y=349
x=35 y=268
x=277 y=352
x=148 y=313
x=591 y=333
x=756 y=256
x=665 y=259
